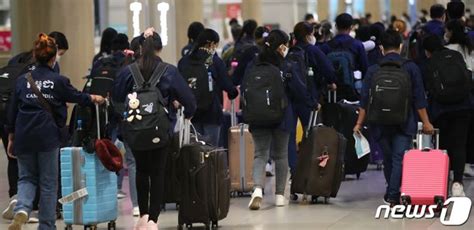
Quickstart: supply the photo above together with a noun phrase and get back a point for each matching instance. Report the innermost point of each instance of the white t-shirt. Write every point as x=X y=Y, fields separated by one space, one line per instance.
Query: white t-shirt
x=468 y=58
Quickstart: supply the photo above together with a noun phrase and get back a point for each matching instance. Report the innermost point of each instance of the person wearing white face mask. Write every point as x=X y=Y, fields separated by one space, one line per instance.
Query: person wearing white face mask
x=206 y=74
x=315 y=63
x=274 y=135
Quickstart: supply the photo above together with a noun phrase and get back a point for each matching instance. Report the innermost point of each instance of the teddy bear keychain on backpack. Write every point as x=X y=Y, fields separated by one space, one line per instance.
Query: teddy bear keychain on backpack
x=134 y=111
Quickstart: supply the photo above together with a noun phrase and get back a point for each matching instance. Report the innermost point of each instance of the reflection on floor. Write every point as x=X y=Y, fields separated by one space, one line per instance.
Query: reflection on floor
x=354 y=208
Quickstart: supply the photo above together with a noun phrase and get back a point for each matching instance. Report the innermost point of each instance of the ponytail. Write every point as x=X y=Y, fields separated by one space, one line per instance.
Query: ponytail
x=151 y=42
x=44 y=48
x=269 y=52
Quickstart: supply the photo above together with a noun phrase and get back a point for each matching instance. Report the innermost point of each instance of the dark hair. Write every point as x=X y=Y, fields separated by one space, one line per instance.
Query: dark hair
x=44 y=48
x=301 y=30
x=260 y=31
x=308 y=17
x=108 y=36
x=391 y=39
x=376 y=30
x=344 y=21
x=455 y=10
x=135 y=47
x=205 y=38
x=120 y=42
x=437 y=11
x=248 y=29
x=194 y=30
x=458 y=34
x=60 y=40
x=323 y=30
x=432 y=43
x=269 y=53
x=148 y=57
x=363 y=33
x=235 y=31
x=233 y=22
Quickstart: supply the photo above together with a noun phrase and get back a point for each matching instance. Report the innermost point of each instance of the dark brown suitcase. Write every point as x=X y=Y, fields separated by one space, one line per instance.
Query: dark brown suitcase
x=205 y=185
x=311 y=178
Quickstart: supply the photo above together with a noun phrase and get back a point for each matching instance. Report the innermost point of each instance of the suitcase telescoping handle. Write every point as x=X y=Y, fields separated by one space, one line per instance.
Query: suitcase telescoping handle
x=97 y=116
x=332 y=96
x=313 y=119
x=233 y=114
x=419 y=139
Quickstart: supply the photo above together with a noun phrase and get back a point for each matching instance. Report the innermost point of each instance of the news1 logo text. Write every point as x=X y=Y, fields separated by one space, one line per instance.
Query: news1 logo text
x=458 y=208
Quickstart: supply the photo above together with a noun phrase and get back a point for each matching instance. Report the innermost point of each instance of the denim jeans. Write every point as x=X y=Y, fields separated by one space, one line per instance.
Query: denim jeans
x=264 y=140
x=394 y=144
x=39 y=169
x=209 y=132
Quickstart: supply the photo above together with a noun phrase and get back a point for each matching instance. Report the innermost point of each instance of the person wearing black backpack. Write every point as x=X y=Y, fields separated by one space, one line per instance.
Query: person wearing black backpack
x=245 y=50
x=194 y=30
x=36 y=120
x=132 y=87
x=387 y=90
x=266 y=88
x=316 y=71
x=347 y=55
x=450 y=102
x=206 y=75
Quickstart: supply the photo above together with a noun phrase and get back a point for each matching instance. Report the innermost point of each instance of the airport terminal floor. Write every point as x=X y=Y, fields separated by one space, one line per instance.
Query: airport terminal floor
x=353 y=209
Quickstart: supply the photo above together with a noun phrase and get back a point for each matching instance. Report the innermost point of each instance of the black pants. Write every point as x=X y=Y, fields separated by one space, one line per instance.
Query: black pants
x=454 y=130
x=470 y=142
x=12 y=171
x=150 y=181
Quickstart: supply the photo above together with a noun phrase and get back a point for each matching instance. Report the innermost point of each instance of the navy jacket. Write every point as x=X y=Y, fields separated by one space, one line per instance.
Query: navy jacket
x=221 y=80
x=186 y=49
x=35 y=129
x=296 y=91
x=356 y=48
x=374 y=56
x=19 y=58
x=171 y=85
x=418 y=102
x=247 y=58
x=321 y=65
x=435 y=27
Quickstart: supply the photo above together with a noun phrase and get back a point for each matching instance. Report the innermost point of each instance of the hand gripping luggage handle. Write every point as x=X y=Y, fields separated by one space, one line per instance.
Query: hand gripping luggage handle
x=419 y=139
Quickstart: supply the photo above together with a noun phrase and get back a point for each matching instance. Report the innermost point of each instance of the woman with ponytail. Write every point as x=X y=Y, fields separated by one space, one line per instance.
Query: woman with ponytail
x=151 y=164
x=203 y=65
x=245 y=50
x=274 y=137
x=37 y=114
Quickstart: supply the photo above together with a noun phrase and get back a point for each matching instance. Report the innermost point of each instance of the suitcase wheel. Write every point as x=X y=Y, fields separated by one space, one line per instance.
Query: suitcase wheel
x=215 y=224
x=314 y=199
x=358 y=176
x=189 y=226
x=111 y=225
x=68 y=227
x=90 y=227
x=294 y=197
x=326 y=200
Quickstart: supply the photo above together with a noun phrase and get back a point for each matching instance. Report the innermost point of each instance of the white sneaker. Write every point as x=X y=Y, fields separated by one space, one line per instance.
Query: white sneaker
x=33 y=218
x=8 y=213
x=151 y=225
x=256 y=200
x=468 y=171
x=269 y=169
x=280 y=200
x=121 y=195
x=136 y=211
x=142 y=223
x=19 y=220
x=457 y=190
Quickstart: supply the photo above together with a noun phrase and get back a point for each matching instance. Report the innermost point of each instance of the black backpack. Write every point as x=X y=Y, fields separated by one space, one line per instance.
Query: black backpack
x=199 y=78
x=343 y=61
x=101 y=81
x=264 y=99
x=448 y=80
x=297 y=56
x=146 y=125
x=390 y=95
x=8 y=76
x=239 y=53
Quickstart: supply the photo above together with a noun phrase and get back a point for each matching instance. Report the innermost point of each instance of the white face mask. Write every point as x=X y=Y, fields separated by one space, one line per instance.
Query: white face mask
x=285 y=52
x=58 y=57
x=312 y=40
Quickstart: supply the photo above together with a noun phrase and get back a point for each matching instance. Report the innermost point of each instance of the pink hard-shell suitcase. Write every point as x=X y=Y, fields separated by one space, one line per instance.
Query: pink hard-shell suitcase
x=425 y=175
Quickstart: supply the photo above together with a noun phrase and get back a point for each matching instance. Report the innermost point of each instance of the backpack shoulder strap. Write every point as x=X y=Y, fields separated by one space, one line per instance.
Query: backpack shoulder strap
x=158 y=73
x=136 y=74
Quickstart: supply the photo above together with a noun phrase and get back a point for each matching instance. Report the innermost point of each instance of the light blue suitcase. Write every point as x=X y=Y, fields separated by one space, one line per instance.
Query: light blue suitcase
x=89 y=190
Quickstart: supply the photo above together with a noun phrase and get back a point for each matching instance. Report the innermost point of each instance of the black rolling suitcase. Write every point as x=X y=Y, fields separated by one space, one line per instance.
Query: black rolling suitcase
x=205 y=184
x=343 y=116
x=320 y=166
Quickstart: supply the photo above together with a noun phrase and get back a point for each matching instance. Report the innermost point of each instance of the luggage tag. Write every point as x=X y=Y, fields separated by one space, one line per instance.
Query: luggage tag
x=323 y=159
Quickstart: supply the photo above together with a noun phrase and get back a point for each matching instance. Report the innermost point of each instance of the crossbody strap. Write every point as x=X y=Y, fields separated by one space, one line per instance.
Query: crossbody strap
x=43 y=102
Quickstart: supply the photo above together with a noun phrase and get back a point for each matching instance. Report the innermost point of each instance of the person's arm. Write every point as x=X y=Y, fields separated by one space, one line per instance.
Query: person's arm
x=299 y=90
x=68 y=93
x=182 y=93
x=223 y=80
x=364 y=99
x=323 y=65
x=419 y=97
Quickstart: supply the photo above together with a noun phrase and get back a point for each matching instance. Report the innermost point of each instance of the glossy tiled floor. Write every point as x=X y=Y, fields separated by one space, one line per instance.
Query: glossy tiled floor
x=354 y=208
